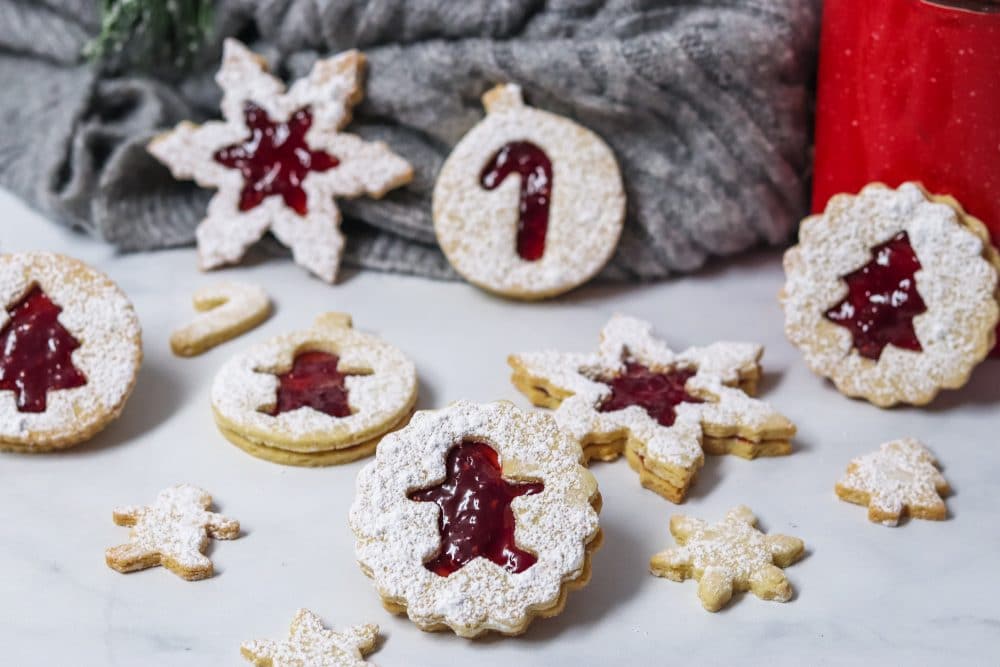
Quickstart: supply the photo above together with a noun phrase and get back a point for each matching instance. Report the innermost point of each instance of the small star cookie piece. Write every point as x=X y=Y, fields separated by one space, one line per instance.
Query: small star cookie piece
x=172 y=532
x=278 y=159
x=310 y=644
x=901 y=477
x=730 y=555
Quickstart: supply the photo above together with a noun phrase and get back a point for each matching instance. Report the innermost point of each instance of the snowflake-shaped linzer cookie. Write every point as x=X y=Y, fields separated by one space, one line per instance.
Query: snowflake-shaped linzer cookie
x=660 y=408
x=732 y=555
x=891 y=293
x=310 y=644
x=900 y=478
x=172 y=532
x=278 y=160
x=477 y=518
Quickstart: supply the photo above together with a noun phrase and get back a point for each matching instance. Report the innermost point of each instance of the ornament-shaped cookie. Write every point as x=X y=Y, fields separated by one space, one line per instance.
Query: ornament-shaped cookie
x=70 y=349
x=892 y=294
x=310 y=644
x=660 y=408
x=278 y=159
x=477 y=517
x=529 y=204
x=317 y=397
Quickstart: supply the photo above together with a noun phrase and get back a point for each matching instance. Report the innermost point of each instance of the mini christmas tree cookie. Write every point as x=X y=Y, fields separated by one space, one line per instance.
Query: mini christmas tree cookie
x=660 y=408
x=278 y=160
x=892 y=294
x=901 y=477
x=70 y=350
x=227 y=310
x=310 y=644
x=732 y=555
x=529 y=204
x=172 y=532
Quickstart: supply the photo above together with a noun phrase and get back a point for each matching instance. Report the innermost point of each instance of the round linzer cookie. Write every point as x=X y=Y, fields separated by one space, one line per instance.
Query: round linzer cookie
x=529 y=204
x=317 y=397
x=892 y=294
x=70 y=349
x=477 y=517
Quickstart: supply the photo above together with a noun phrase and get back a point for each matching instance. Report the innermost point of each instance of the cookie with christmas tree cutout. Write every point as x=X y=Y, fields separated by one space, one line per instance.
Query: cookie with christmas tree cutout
x=892 y=294
x=278 y=159
x=660 y=408
x=477 y=518
x=528 y=204
x=322 y=396
x=310 y=644
x=70 y=350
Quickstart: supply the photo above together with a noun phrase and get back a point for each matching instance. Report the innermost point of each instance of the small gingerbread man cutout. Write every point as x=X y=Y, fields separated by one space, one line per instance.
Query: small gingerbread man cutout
x=172 y=532
x=901 y=477
x=310 y=644
x=732 y=555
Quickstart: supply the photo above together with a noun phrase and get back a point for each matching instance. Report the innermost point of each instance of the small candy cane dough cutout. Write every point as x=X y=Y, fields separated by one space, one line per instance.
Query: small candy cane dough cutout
x=227 y=310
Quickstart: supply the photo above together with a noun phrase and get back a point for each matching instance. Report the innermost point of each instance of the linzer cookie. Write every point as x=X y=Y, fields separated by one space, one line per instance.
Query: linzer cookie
x=732 y=555
x=226 y=311
x=477 y=517
x=317 y=397
x=900 y=478
x=529 y=204
x=70 y=349
x=660 y=408
x=278 y=160
x=310 y=644
x=892 y=294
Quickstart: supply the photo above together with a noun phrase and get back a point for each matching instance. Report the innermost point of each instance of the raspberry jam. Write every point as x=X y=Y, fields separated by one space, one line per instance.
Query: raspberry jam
x=656 y=393
x=533 y=166
x=275 y=159
x=882 y=300
x=313 y=380
x=36 y=352
x=476 y=519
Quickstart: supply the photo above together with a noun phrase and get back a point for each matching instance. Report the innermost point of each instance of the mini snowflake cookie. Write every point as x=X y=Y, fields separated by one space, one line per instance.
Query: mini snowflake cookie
x=660 y=408
x=70 y=349
x=477 y=517
x=278 y=159
x=309 y=644
x=732 y=555
x=892 y=294
x=227 y=310
x=172 y=532
x=529 y=204
x=317 y=397
x=901 y=477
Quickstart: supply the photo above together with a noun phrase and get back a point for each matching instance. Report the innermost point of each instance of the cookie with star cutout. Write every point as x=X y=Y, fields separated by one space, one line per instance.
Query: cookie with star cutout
x=476 y=518
x=70 y=350
x=661 y=409
x=278 y=159
x=310 y=644
x=892 y=294
x=322 y=396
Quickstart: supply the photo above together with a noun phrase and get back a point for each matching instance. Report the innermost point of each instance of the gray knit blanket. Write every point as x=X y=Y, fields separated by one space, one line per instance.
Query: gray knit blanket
x=705 y=102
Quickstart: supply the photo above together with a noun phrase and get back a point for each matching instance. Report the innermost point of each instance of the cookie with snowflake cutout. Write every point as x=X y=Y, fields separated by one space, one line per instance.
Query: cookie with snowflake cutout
x=900 y=478
x=278 y=159
x=172 y=532
x=729 y=556
x=891 y=293
x=70 y=350
x=310 y=644
x=477 y=518
x=662 y=409
x=321 y=396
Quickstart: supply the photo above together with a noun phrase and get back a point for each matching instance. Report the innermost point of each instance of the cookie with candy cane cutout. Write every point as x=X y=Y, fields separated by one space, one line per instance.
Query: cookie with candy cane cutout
x=227 y=310
x=321 y=396
x=529 y=204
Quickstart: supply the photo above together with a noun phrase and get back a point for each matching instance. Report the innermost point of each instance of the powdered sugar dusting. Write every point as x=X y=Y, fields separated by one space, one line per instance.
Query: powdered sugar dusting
x=395 y=536
x=310 y=644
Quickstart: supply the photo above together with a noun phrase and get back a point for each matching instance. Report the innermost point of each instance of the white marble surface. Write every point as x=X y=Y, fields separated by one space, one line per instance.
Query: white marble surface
x=924 y=593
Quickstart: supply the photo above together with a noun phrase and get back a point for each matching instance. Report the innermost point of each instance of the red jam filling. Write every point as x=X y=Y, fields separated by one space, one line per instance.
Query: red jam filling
x=533 y=166
x=313 y=380
x=476 y=519
x=658 y=393
x=882 y=300
x=275 y=159
x=36 y=352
